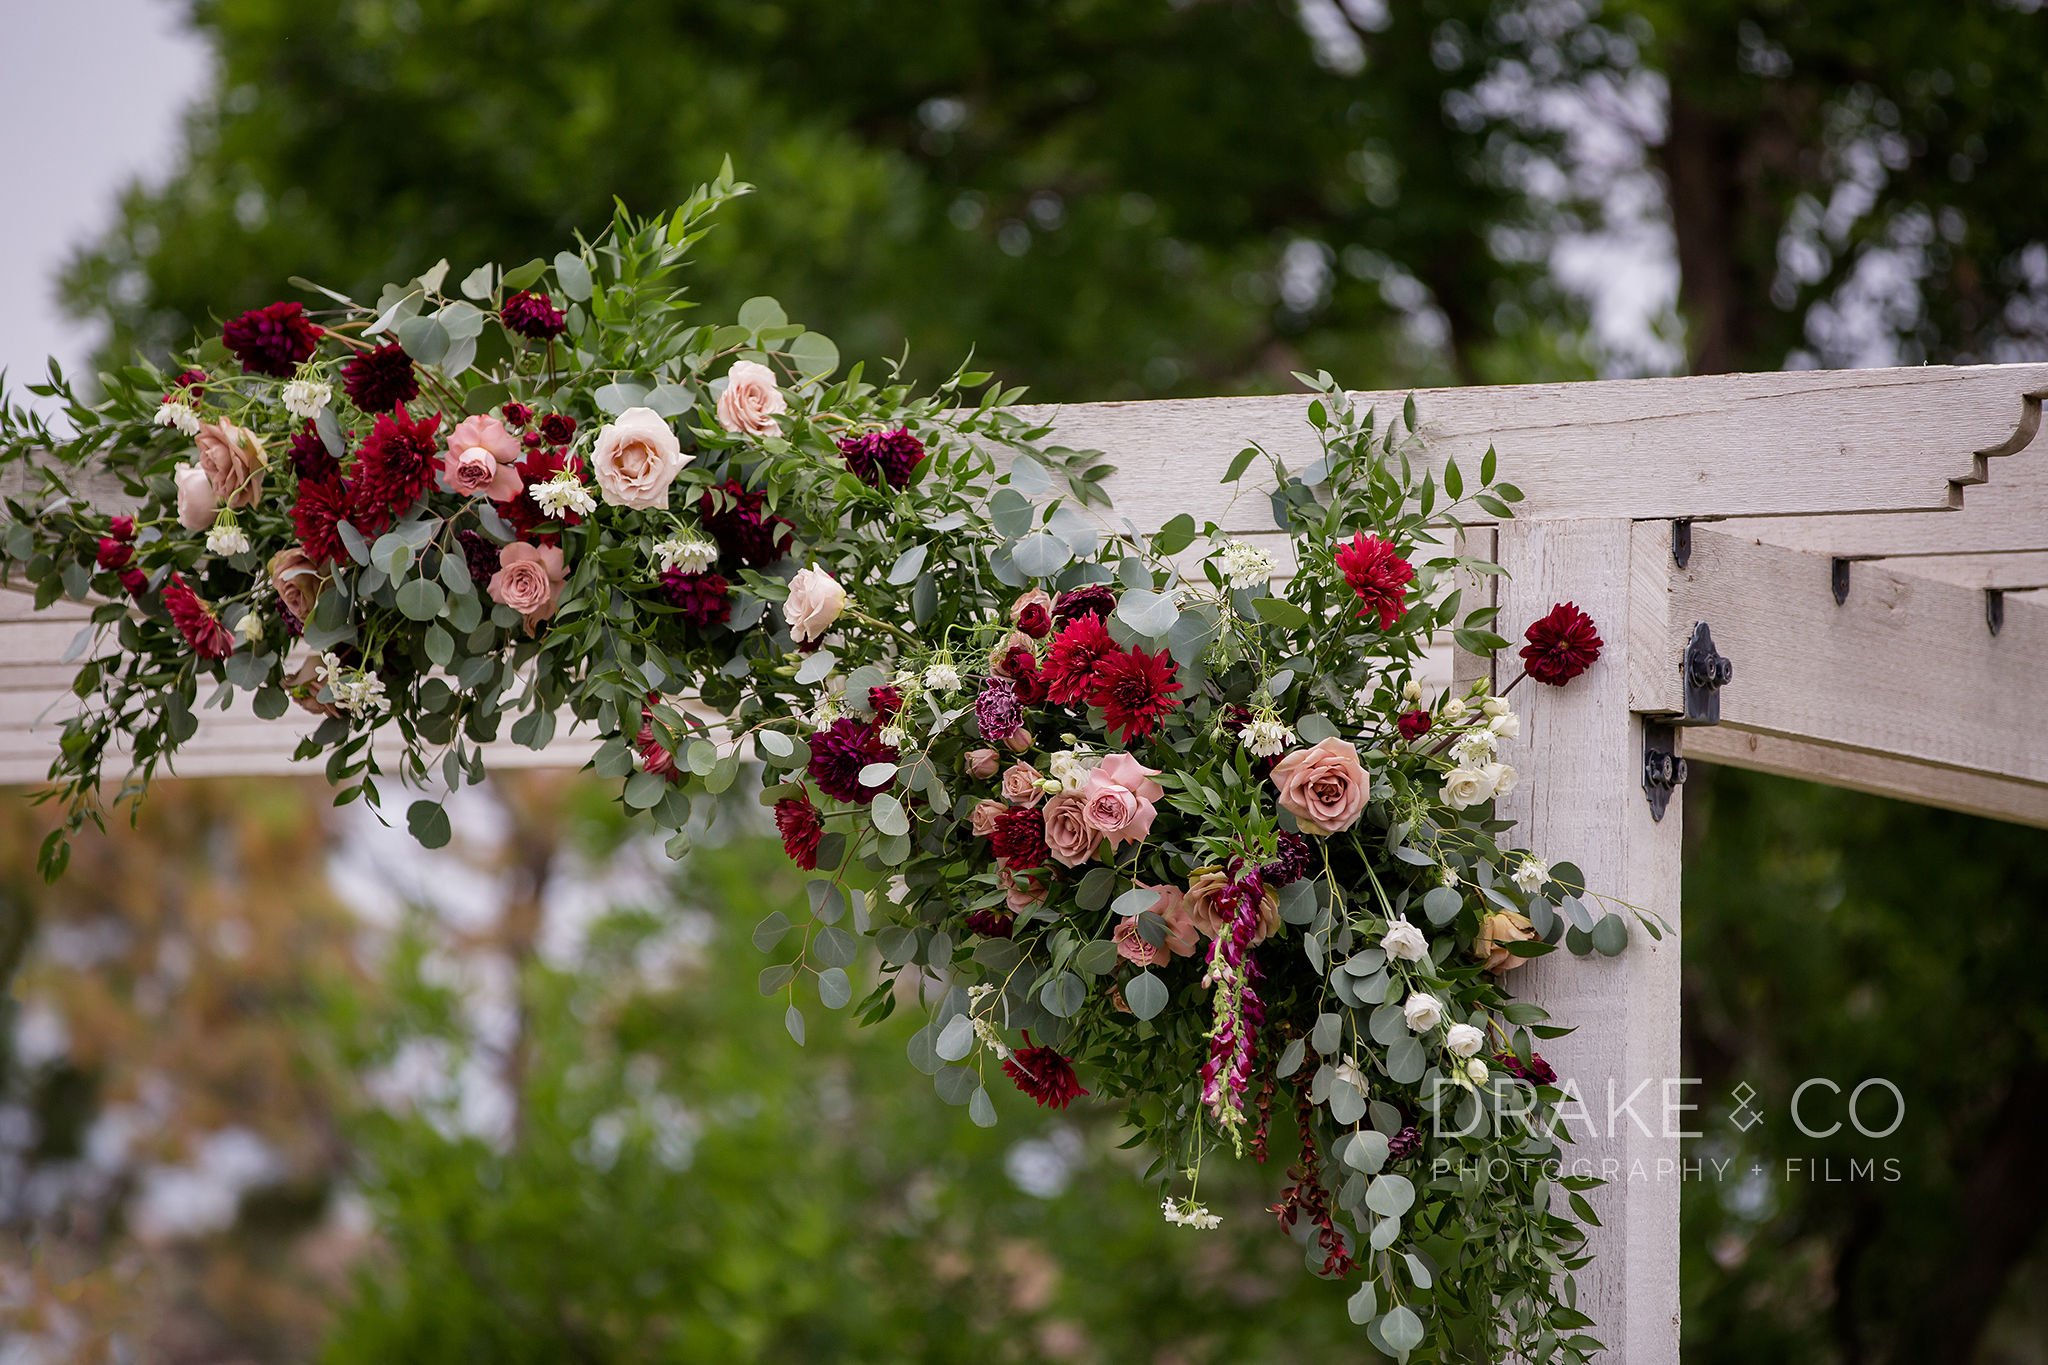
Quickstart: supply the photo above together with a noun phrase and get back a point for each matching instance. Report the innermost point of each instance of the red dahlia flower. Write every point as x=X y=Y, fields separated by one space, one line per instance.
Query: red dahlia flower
x=378 y=381
x=1134 y=689
x=733 y=517
x=1044 y=1075
x=891 y=456
x=1070 y=664
x=839 y=752
x=394 y=469
x=274 y=340
x=196 y=622
x=703 y=598
x=1019 y=839
x=1561 y=645
x=317 y=517
x=801 y=827
x=1094 y=599
x=533 y=316
x=1379 y=577
x=310 y=460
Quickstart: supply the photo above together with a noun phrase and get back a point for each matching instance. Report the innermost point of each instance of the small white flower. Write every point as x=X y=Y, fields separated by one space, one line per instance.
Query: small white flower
x=1473 y=748
x=826 y=710
x=986 y=1033
x=1360 y=703
x=1450 y=877
x=303 y=398
x=892 y=735
x=1422 y=1012
x=1347 y=1071
x=978 y=993
x=1507 y=725
x=355 y=690
x=179 y=414
x=1454 y=710
x=250 y=627
x=1404 y=942
x=1476 y=1072
x=1186 y=1213
x=1530 y=874
x=686 y=554
x=1462 y=1040
x=1266 y=737
x=564 y=494
x=1411 y=692
x=1243 y=564
x=942 y=677
x=1068 y=770
x=226 y=538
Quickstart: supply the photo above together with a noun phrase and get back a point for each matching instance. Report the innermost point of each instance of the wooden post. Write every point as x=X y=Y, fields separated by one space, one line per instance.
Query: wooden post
x=1580 y=798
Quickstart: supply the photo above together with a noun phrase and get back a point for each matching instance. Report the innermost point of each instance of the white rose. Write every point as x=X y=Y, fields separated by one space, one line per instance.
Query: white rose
x=1493 y=706
x=1423 y=1012
x=1463 y=1040
x=197 y=502
x=815 y=601
x=1476 y=1072
x=1454 y=709
x=1466 y=787
x=636 y=458
x=1502 y=777
x=1507 y=725
x=1404 y=942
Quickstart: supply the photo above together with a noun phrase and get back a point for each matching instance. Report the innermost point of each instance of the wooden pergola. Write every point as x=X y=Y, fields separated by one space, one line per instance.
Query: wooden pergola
x=1835 y=575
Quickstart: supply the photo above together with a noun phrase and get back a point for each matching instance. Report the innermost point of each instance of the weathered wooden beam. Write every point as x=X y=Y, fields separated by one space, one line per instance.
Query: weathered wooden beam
x=2014 y=571
x=1994 y=798
x=2010 y=513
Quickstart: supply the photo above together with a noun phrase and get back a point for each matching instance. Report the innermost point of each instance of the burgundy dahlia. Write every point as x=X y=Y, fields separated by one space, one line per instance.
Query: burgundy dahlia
x=558 y=428
x=1019 y=839
x=996 y=710
x=480 y=554
x=1092 y=599
x=196 y=622
x=704 y=599
x=991 y=923
x=733 y=517
x=1134 y=689
x=317 y=516
x=883 y=455
x=394 y=469
x=1378 y=576
x=310 y=460
x=1405 y=1143
x=1076 y=651
x=1044 y=1075
x=801 y=827
x=533 y=316
x=840 y=751
x=1562 y=645
x=378 y=381
x=274 y=340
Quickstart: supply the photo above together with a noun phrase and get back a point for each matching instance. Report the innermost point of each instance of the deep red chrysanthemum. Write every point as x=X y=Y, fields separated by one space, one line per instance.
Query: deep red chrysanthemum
x=395 y=467
x=840 y=751
x=883 y=455
x=480 y=553
x=195 y=621
x=991 y=923
x=733 y=517
x=378 y=381
x=558 y=428
x=1561 y=645
x=317 y=516
x=310 y=458
x=114 y=553
x=1019 y=839
x=801 y=827
x=1134 y=689
x=1044 y=1075
x=1379 y=576
x=1076 y=652
x=1414 y=724
x=704 y=599
x=272 y=340
x=886 y=700
x=1094 y=599
x=533 y=315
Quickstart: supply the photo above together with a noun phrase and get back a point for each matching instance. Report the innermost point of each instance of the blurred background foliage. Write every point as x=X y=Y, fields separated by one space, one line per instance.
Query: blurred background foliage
x=460 y=1130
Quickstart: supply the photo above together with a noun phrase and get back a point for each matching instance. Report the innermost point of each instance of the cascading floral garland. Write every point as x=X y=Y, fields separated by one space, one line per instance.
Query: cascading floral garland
x=1089 y=795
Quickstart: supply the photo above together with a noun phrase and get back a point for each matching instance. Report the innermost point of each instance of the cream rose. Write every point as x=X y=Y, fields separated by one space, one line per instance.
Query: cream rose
x=1205 y=911
x=1466 y=787
x=1463 y=1040
x=198 y=504
x=1022 y=786
x=297 y=581
x=1496 y=932
x=233 y=461
x=750 y=400
x=815 y=601
x=479 y=460
x=1323 y=787
x=1067 y=832
x=636 y=458
x=529 y=580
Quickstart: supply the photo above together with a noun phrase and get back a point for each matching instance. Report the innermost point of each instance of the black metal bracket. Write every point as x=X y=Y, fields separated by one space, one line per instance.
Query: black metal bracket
x=1705 y=672
x=1681 y=541
x=1994 y=609
x=1838 y=576
x=1663 y=769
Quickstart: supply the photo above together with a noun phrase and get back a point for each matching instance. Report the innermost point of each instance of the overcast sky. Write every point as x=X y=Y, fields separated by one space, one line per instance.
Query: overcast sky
x=92 y=94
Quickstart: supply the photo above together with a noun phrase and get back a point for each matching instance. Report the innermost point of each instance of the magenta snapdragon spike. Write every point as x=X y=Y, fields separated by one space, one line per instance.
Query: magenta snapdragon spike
x=1240 y=1011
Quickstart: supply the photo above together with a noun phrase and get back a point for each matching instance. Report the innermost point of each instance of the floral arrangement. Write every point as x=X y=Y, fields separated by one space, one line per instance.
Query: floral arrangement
x=1123 y=814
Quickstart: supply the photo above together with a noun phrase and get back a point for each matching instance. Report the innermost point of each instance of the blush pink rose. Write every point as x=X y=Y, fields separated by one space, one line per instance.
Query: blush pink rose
x=1132 y=948
x=233 y=461
x=529 y=580
x=981 y=763
x=750 y=401
x=1323 y=787
x=198 y=504
x=1180 y=926
x=636 y=457
x=982 y=819
x=1067 y=831
x=815 y=601
x=479 y=460
x=1020 y=893
x=1021 y=785
x=1118 y=796
x=1204 y=909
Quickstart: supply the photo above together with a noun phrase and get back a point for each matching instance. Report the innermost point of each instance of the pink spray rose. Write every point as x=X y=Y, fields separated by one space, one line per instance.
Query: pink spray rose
x=198 y=504
x=479 y=460
x=636 y=458
x=1323 y=787
x=982 y=819
x=815 y=601
x=1132 y=948
x=1067 y=832
x=1118 y=796
x=529 y=580
x=981 y=763
x=1021 y=785
x=1020 y=894
x=750 y=401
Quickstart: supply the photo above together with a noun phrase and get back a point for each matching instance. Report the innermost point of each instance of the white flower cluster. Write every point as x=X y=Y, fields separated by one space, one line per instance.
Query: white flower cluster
x=226 y=538
x=984 y=1030
x=1243 y=565
x=303 y=398
x=179 y=414
x=688 y=553
x=893 y=734
x=1186 y=1213
x=563 y=494
x=357 y=691
x=1530 y=874
x=942 y=678
x=1266 y=736
x=1069 y=769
